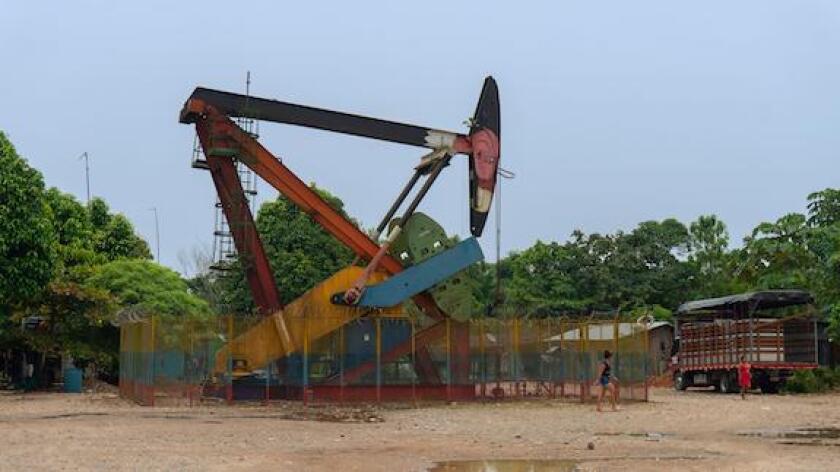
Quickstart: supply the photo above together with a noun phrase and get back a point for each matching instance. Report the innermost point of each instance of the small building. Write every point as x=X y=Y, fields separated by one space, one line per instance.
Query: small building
x=660 y=339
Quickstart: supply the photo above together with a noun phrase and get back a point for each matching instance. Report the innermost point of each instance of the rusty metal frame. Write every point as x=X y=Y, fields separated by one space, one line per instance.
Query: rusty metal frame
x=222 y=140
x=220 y=136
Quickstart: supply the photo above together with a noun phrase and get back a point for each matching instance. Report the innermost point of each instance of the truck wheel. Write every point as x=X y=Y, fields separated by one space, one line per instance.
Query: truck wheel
x=679 y=381
x=724 y=383
x=769 y=387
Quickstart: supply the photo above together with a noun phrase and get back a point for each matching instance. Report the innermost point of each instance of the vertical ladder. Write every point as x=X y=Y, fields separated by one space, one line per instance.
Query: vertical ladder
x=224 y=250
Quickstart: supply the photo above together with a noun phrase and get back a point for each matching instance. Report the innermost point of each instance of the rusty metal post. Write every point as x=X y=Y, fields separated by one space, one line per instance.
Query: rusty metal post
x=342 y=349
x=448 y=360
x=305 y=376
x=413 y=361
x=151 y=401
x=584 y=338
x=616 y=356
x=378 y=359
x=229 y=386
x=483 y=358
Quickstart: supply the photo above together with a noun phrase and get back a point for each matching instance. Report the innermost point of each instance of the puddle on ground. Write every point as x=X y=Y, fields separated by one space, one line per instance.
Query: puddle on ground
x=69 y=415
x=828 y=436
x=506 y=465
x=650 y=436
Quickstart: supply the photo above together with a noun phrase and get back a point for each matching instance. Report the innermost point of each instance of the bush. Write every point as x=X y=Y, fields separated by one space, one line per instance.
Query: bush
x=802 y=381
x=817 y=380
x=829 y=378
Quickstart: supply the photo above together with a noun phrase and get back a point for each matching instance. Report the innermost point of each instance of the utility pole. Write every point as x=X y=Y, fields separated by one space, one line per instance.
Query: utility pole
x=157 y=234
x=87 y=174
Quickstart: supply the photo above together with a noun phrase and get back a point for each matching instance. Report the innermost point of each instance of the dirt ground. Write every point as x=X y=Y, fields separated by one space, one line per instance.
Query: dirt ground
x=685 y=431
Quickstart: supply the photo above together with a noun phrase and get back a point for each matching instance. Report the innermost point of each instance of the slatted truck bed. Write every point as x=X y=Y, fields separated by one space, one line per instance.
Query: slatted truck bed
x=777 y=331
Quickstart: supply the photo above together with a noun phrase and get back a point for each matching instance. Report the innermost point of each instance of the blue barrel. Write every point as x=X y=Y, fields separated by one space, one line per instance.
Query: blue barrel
x=72 y=380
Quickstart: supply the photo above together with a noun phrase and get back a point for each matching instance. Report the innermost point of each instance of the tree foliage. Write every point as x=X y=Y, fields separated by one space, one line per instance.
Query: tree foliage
x=601 y=272
x=300 y=252
x=27 y=242
x=145 y=287
x=50 y=246
x=658 y=265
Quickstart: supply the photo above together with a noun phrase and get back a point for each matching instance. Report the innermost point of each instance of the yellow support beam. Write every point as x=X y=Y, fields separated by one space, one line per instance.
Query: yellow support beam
x=262 y=343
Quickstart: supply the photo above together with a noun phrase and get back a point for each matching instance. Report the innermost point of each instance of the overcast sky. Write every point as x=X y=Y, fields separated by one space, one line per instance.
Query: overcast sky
x=612 y=112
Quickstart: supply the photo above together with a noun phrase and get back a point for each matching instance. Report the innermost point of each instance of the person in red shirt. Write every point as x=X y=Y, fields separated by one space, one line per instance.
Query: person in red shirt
x=744 y=377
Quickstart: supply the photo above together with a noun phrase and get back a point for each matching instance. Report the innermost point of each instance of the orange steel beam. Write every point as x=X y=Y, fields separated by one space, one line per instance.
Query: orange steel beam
x=245 y=236
x=225 y=136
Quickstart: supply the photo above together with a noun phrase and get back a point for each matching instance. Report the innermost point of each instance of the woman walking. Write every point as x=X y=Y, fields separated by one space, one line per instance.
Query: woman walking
x=744 y=377
x=605 y=381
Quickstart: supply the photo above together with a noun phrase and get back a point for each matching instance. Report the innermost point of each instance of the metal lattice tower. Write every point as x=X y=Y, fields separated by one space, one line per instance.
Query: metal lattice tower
x=224 y=250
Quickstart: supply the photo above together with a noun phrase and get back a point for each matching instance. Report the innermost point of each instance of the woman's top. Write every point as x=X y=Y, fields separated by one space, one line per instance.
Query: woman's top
x=606 y=373
x=744 y=370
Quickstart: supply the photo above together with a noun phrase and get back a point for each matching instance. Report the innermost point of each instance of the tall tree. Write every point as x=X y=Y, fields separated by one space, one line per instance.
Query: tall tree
x=776 y=255
x=542 y=281
x=114 y=235
x=709 y=255
x=648 y=263
x=27 y=242
x=824 y=243
x=75 y=314
x=824 y=207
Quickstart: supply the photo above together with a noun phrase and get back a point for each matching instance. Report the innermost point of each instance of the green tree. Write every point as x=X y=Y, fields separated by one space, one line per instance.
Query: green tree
x=710 y=258
x=824 y=243
x=649 y=266
x=100 y=214
x=27 y=242
x=824 y=208
x=300 y=252
x=603 y=272
x=75 y=323
x=708 y=241
x=776 y=255
x=145 y=288
x=76 y=314
x=73 y=314
x=542 y=280
x=74 y=231
x=489 y=284
x=114 y=235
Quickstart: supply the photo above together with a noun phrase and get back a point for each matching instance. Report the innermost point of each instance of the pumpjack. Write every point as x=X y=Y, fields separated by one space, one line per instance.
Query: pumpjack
x=415 y=260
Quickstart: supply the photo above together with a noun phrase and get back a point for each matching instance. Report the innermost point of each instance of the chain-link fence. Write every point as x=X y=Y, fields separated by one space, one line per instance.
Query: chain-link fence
x=377 y=359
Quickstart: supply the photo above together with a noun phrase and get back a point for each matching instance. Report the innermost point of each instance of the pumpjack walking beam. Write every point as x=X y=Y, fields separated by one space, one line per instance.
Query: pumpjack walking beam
x=482 y=144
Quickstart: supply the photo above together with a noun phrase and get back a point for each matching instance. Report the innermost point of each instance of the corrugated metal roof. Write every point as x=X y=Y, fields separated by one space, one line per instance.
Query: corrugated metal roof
x=764 y=299
x=606 y=331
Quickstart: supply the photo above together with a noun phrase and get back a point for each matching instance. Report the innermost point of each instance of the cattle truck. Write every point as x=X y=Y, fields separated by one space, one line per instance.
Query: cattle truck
x=777 y=331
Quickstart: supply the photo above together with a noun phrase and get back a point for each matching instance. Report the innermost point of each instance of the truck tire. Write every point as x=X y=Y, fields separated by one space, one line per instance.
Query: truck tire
x=724 y=384
x=770 y=387
x=761 y=379
x=680 y=382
